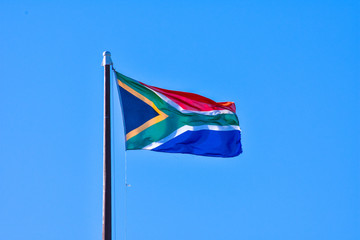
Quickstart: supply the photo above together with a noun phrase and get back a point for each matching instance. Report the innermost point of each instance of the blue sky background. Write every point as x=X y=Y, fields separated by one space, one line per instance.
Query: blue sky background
x=292 y=68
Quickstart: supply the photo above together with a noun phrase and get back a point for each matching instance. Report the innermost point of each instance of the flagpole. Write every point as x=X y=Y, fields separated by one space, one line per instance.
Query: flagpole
x=106 y=222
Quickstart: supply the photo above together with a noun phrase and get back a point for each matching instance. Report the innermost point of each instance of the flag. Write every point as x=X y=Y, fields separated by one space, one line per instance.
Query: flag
x=177 y=122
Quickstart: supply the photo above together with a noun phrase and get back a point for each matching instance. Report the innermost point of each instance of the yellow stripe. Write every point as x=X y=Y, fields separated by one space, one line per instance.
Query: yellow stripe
x=149 y=123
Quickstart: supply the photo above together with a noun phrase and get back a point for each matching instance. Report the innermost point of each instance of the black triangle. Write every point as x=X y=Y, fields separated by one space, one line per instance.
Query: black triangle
x=136 y=111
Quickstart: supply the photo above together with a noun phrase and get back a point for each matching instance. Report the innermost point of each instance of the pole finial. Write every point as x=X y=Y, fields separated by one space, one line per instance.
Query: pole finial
x=107 y=59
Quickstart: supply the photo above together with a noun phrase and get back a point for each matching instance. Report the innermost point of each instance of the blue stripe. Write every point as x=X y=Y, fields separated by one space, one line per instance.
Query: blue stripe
x=205 y=143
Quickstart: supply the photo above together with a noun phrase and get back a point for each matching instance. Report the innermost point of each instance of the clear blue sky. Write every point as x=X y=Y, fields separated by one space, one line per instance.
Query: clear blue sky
x=292 y=68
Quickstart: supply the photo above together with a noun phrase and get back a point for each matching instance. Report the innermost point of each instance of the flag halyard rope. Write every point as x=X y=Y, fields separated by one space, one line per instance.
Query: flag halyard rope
x=125 y=171
x=113 y=154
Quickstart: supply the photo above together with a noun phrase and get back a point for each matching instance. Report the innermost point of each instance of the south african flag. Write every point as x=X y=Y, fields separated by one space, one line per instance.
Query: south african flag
x=177 y=122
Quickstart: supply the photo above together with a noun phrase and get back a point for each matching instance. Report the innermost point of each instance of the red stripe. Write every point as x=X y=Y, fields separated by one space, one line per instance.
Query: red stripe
x=194 y=102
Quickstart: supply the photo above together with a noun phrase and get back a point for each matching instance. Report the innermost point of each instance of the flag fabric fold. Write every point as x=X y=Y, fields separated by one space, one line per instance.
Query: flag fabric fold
x=177 y=122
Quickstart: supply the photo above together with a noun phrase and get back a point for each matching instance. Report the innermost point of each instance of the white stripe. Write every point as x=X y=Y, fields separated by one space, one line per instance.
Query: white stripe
x=191 y=128
x=180 y=109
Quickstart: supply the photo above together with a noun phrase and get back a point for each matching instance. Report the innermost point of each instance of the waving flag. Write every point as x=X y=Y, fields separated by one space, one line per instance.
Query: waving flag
x=177 y=122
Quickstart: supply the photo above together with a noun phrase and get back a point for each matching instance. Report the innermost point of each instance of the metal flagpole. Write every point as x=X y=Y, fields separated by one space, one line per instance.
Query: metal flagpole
x=106 y=233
